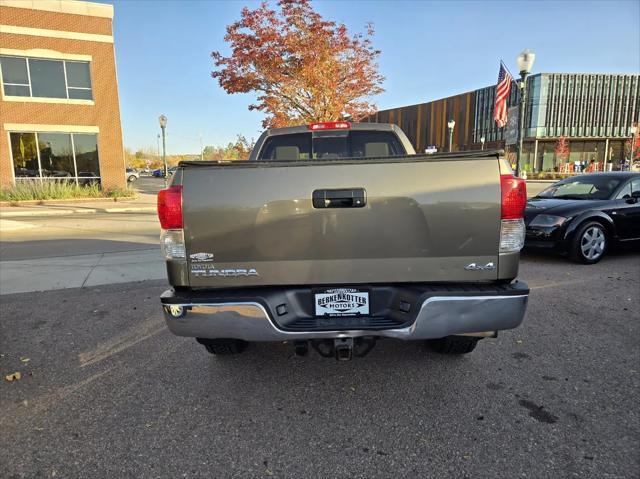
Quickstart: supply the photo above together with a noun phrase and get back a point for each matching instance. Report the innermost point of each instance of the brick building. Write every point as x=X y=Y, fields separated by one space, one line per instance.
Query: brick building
x=59 y=107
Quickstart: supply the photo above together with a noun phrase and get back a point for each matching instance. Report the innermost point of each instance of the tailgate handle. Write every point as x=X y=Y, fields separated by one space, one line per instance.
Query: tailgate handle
x=342 y=198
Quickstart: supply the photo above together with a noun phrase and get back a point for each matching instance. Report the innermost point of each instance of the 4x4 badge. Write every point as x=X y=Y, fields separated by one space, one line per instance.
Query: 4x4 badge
x=478 y=267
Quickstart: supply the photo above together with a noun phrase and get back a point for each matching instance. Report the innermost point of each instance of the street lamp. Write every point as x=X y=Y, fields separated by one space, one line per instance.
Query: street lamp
x=525 y=64
x=163 y=125
x=482 y=140
x=451 y=124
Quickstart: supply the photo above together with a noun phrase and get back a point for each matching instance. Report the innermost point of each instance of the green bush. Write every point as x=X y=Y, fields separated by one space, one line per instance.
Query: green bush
x=548 y=175
x=59 y=190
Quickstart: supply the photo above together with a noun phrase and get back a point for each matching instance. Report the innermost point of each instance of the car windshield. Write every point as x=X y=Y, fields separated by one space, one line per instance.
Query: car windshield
x=583 y=188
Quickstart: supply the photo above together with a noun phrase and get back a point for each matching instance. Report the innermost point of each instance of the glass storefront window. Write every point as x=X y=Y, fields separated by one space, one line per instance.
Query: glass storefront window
x=86 y=149
x=56 y=155
x=584 y=156
x=547 y=157
x=575 y=151
x=616 y=154
x=25 y=155
x=64 y=156
x=527 y=158
x=587 y=156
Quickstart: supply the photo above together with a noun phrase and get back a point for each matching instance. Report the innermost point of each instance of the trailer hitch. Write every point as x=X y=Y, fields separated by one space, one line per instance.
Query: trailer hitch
x=343 y=349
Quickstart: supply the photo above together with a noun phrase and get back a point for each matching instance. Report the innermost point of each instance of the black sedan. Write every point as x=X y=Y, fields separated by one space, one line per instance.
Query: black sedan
x=583 y=216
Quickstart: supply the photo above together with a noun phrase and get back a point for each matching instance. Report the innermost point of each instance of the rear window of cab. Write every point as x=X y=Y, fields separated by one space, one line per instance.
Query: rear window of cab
x=328 y=145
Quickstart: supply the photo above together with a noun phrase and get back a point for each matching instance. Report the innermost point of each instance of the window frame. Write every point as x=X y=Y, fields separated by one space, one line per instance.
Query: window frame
x=66 y=80
x=309 y=139
x=621 y=192
x=28 y=84
x=42 y=178
x=613 y=194
x=630 y=184
x=46 y=99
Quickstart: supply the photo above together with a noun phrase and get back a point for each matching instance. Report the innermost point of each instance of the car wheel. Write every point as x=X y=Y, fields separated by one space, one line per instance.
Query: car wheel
x=132 y=178
x=223 y=347
x=589 y=243
x=453 y=344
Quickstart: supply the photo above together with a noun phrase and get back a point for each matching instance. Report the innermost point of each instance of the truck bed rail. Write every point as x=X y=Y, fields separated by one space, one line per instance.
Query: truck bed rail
x=445 y=156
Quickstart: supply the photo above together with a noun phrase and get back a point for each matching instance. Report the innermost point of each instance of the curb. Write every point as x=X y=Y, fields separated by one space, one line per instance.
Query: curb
x=18 y=204
x=50 y=212
x=130 y=209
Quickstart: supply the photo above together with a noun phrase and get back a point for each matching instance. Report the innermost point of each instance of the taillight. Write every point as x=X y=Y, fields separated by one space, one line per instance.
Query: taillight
x=170 y=207
x=513 y=203
x=330 y=125
x=514 y=197
x=172 y=244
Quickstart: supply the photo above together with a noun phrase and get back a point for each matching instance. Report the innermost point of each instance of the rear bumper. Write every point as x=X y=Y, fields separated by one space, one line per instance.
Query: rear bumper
x=439 y=315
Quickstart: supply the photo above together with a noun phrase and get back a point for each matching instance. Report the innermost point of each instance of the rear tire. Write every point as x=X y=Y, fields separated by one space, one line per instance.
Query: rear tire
x=132 y=178
x=589 y=243
x=453 y=344
x=223 y=347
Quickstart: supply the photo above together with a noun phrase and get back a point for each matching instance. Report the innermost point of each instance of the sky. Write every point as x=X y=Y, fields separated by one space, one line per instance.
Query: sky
x=430 y=50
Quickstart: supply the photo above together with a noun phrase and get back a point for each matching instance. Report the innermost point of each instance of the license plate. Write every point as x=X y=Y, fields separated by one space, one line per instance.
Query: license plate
x=342 y=302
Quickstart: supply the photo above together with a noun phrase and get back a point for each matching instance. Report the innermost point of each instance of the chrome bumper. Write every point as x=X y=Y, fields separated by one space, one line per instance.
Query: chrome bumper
x=439 y=316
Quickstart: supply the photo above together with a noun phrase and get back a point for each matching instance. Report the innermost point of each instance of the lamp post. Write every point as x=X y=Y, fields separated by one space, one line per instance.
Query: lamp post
x=525 y=64
x=451 y=124
x=482 y=140
x=163 y=125
x=633 y=129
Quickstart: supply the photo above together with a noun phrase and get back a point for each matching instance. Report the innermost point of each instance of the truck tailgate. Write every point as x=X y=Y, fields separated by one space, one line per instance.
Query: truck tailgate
x=420 y=220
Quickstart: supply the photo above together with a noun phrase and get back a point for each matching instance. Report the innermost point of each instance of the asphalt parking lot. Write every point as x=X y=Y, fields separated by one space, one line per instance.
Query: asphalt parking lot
x=107 y=391
x=148 y=184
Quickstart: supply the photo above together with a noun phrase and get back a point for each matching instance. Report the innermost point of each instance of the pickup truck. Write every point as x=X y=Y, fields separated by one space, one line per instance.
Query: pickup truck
x=334 y=235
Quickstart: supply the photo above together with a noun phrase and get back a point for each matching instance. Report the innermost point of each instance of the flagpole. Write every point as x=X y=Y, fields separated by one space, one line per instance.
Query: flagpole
x=508 y=71
x=513 y=81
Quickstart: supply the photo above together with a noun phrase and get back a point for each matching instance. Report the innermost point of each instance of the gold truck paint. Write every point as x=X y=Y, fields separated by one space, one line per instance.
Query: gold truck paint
x=425 y=219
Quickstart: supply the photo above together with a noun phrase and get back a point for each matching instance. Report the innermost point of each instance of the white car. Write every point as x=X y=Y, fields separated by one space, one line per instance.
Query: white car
x=132 y=175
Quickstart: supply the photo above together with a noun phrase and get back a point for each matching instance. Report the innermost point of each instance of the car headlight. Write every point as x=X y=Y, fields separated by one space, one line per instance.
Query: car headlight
x=548 y=220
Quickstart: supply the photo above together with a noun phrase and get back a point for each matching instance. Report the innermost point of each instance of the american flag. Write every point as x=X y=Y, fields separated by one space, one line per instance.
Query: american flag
x=503 y=88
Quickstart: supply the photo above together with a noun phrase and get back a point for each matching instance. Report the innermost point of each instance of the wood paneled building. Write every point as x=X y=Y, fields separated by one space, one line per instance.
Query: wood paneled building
x=426 y=123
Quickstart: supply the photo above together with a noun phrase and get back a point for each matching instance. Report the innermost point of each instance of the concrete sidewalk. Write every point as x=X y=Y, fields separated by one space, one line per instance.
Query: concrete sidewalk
x=144 y=203
x=44 y=274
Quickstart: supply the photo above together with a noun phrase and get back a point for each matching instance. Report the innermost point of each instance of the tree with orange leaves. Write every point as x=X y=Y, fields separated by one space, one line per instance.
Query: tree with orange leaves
x=304 y=69
x=562 y=149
